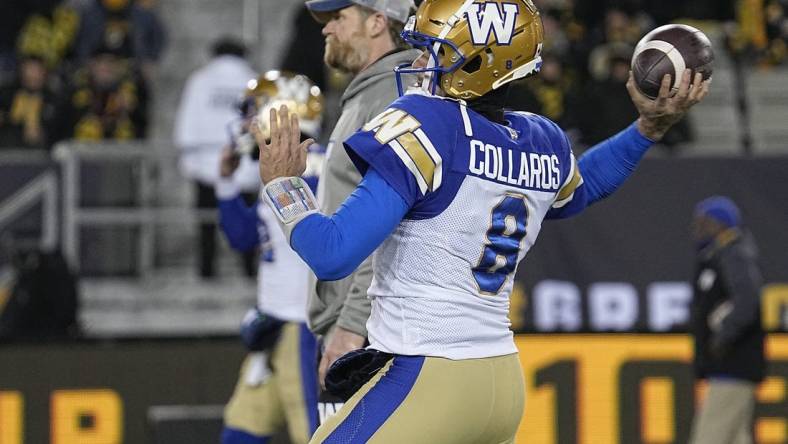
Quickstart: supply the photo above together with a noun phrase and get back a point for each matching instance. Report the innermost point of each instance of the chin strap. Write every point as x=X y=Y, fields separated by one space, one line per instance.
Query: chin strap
x=291 y=200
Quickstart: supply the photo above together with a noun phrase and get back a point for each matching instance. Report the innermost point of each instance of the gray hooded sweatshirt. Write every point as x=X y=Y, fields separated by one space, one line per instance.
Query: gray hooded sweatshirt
x=344 y=302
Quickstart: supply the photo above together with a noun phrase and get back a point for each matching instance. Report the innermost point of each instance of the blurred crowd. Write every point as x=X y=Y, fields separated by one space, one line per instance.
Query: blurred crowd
x=81 y=69
x=588 y=49
x=589 y=46
x=76 y=69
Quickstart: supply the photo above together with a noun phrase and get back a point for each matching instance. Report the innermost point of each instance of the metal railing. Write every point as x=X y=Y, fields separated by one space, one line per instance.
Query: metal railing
x=41 y=189
x=145 y=214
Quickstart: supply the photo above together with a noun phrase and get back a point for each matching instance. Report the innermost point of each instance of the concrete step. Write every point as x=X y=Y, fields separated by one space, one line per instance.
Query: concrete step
x=172 y=302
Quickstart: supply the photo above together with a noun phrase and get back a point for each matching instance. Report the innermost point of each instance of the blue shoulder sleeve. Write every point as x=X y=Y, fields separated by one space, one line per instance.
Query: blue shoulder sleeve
x=335 y=246
x=600 y=171
x=398 y=144
x=239 y=223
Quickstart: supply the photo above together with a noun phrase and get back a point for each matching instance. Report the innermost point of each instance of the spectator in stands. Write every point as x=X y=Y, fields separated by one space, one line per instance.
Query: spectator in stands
x=619 y=30
x=26 y=106
x=49 y=31
x=105 y=101
x=665 y=11
x=606 y=107
x=566 y=37
x=207 y=107
x=726 y=323
x=548 y=94
x=776 y=31
x=122 y=24
x=305 y=51
x=556 y=39
x=13 y=14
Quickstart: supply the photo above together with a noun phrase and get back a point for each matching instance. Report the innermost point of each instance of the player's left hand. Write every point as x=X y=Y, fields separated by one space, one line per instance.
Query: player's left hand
x=284 y=155
x=339 y=343
x=658 y=115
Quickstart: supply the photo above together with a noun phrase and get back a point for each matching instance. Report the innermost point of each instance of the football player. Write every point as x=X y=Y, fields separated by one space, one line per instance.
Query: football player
x=454 y=194
x=278 y=382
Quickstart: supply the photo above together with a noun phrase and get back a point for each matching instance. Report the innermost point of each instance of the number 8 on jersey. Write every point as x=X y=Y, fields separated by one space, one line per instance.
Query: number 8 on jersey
x=499 y=256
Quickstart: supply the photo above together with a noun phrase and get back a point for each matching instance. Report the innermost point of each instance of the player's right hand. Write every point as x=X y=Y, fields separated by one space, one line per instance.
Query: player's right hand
x=229 y=162
x=657 y=116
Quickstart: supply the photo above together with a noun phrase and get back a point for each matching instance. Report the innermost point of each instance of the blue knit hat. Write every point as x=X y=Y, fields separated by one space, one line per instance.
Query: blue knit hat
x=721 y=209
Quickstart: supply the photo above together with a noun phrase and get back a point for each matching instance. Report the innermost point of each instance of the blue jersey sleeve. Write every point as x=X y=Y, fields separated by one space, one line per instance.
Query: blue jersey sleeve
x=398 y=143
x=334 y=246
x=600 y=171
x=239 y=223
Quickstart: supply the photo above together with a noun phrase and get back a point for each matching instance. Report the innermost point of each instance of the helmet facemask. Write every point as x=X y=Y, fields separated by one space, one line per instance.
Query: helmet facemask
x=436 y=50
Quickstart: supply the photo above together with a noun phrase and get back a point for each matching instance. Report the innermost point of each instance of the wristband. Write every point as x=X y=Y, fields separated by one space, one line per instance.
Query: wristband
x=291 y=200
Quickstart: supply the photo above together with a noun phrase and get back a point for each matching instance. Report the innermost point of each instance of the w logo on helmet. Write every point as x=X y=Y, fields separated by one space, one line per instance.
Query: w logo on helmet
x=484 y=18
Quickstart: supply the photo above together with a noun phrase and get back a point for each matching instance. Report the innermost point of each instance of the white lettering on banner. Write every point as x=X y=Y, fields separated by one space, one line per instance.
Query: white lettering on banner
x=482 y=22
x=557 y=306
x=613 y=306
x=668 y=305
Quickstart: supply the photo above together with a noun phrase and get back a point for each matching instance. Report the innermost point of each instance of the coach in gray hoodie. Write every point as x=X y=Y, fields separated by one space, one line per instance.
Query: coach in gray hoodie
x=362 y=38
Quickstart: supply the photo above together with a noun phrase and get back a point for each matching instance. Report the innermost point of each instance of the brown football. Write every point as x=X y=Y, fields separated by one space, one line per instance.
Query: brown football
x=670 y=49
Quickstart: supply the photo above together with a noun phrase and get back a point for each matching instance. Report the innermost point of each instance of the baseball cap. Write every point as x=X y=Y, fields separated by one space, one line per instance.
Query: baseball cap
x=721 y=209
x=398 y=10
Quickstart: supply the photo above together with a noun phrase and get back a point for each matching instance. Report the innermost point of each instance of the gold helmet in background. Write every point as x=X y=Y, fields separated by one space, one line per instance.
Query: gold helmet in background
x=475 y=46
x=274 y=89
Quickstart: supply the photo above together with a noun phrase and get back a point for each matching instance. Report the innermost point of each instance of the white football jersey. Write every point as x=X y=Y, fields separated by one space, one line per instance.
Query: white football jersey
x=479 y=192
x=282 y=275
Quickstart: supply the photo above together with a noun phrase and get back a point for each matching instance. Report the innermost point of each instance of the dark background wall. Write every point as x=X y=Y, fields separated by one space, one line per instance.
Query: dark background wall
x=143 y=373
x=641 y=234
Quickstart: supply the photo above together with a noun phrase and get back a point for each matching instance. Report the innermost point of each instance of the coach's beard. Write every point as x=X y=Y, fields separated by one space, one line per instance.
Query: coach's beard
x=344 y=56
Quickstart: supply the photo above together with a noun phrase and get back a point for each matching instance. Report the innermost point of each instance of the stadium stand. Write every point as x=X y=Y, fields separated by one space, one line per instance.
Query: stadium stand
x=768 y=102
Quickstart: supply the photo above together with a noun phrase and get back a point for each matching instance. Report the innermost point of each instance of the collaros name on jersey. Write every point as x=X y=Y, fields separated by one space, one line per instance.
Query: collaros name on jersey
x=517 y=168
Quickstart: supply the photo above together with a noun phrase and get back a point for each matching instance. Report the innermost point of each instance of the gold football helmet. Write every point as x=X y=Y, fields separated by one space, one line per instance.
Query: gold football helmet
x=474 y=46
x=272 y=90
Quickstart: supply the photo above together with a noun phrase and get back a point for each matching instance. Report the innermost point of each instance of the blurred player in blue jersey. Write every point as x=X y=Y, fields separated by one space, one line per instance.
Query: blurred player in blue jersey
x=278 y=382
x=454 y=194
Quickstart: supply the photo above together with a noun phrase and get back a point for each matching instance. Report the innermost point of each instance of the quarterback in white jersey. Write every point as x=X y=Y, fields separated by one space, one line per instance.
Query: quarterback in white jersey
x=454 y=193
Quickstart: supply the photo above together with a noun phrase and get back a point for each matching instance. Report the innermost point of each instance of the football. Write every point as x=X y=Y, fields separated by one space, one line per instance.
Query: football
x=669 y=50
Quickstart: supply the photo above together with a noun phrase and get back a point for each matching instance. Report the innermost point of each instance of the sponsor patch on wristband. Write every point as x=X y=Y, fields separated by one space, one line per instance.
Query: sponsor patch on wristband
x=290 y=197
